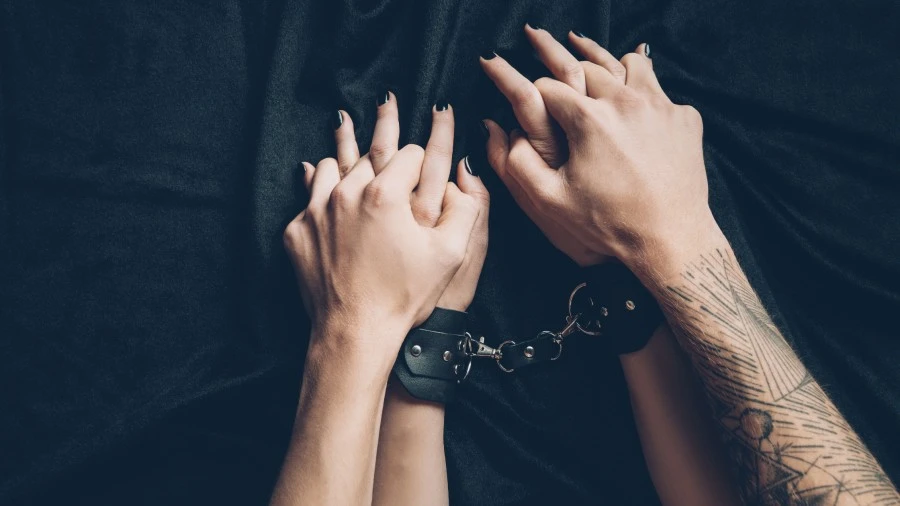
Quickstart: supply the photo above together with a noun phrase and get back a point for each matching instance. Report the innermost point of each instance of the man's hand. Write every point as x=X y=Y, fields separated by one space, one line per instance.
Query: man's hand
x=634 y=184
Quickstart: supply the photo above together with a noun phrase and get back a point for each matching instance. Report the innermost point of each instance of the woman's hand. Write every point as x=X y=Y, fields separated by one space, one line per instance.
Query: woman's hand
x=634 y=182
x=363 y=261
x=428 y=199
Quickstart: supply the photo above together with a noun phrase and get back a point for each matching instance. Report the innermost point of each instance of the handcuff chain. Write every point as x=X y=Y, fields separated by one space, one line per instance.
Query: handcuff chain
x=476 y=348
x=472 y=348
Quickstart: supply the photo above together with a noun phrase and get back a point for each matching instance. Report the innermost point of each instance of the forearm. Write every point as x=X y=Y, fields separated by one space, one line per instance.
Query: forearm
x=410 y=468
x=790 y=443
x=331 y=457
x=683 y=451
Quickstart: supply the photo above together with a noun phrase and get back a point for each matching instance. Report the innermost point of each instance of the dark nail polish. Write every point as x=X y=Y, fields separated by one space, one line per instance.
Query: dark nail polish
x=383 y=98
x=484 y=130
x=647 y=50
x=535 y=26
x=337 y=120
x=489 y=54
x=441 y=106
x=578 y=34
x=469 y=168
x=301 y=167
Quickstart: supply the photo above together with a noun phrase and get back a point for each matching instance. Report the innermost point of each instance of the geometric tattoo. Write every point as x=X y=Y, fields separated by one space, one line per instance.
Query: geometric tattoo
x=790 y=444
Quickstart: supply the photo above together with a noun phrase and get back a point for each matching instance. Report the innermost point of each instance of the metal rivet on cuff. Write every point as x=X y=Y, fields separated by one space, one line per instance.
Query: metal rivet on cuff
x=529 y=351
x=416 y=350
x=447 y=356
x=629 y=305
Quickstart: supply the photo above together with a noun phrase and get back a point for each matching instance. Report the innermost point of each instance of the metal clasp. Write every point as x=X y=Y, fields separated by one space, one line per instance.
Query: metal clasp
x=477 y=348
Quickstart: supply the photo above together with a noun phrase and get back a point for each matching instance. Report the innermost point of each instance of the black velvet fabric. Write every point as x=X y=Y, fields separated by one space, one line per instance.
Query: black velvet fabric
x=151 y=334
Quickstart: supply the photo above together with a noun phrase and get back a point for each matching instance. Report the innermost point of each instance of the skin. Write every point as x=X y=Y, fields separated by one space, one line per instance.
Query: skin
x=410 y=466
x=634 y=187
x=667 y=403
x=370 y=268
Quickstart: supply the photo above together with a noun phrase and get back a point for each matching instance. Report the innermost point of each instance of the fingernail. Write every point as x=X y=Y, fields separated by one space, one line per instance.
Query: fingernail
x=647 y=50
x=469 y=166
x=301 y=167
x=441 y=106
x=535 y=26
x=578 y=34
x=337 y=120
x=485 y=131
x=383 y=98
x=489 y=54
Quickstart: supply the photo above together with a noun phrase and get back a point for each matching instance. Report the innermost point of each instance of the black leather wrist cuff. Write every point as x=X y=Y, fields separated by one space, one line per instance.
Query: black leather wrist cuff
x=623 y=311
x=431 y=360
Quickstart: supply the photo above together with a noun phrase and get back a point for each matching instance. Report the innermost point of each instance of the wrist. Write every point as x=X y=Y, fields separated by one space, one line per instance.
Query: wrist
x=661 y=259
x=361 y=352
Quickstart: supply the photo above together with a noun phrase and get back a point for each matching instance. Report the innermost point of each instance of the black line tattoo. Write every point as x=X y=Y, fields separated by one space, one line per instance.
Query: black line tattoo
x=790 y=443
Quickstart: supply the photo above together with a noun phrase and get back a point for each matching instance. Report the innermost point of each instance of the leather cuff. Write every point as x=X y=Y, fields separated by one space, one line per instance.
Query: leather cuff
x=431 y=360
x=622 y=311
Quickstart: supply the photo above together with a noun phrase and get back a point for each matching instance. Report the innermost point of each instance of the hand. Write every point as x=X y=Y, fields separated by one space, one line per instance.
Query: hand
x=634 y=184
x=541 y=132
x=428 y=198
x=362 y=259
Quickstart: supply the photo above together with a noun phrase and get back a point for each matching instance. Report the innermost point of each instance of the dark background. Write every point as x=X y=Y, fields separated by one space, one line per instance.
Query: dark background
x=151 y=335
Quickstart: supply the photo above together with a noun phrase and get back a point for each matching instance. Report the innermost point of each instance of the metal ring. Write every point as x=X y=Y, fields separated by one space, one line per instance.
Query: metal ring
x=468 y=369
x=578 y=324
x=559 y=351
x=500 y=349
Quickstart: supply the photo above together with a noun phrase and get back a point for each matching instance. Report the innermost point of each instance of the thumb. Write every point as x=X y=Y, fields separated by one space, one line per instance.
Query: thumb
x=460 y=212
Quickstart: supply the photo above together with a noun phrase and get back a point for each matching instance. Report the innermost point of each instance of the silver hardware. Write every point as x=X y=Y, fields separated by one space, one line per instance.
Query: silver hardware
x=578 y=325
x=529 y=351
x=447 y=356
x=473 y=348
x=500 y=355
x=629 y=305
x=416 y=350
x=603 y=312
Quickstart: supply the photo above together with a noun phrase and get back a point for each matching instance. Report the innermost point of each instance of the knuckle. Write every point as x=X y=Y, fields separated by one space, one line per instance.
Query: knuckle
x=693 y=116
x=427 y=211
x=341 y=197
x=381 y=150
x=292 y=234
x=573 y=71
x=378 y=194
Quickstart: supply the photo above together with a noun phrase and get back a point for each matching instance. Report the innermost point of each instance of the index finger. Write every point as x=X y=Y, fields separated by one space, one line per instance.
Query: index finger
x=526 y=101
x=557 y=58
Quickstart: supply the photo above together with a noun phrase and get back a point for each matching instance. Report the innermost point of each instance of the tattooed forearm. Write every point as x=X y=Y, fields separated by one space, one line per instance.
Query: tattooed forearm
x=790 y=443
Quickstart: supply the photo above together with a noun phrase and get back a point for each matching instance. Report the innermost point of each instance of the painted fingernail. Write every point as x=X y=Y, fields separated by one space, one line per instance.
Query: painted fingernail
x=441 y=106
x=383 y=98
x=578 y=34
x=301 y=167
x=647 y=50
x=485 y=131
x=337 y=119
x=535 y=26
x=490 y=54
x=469 y=168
